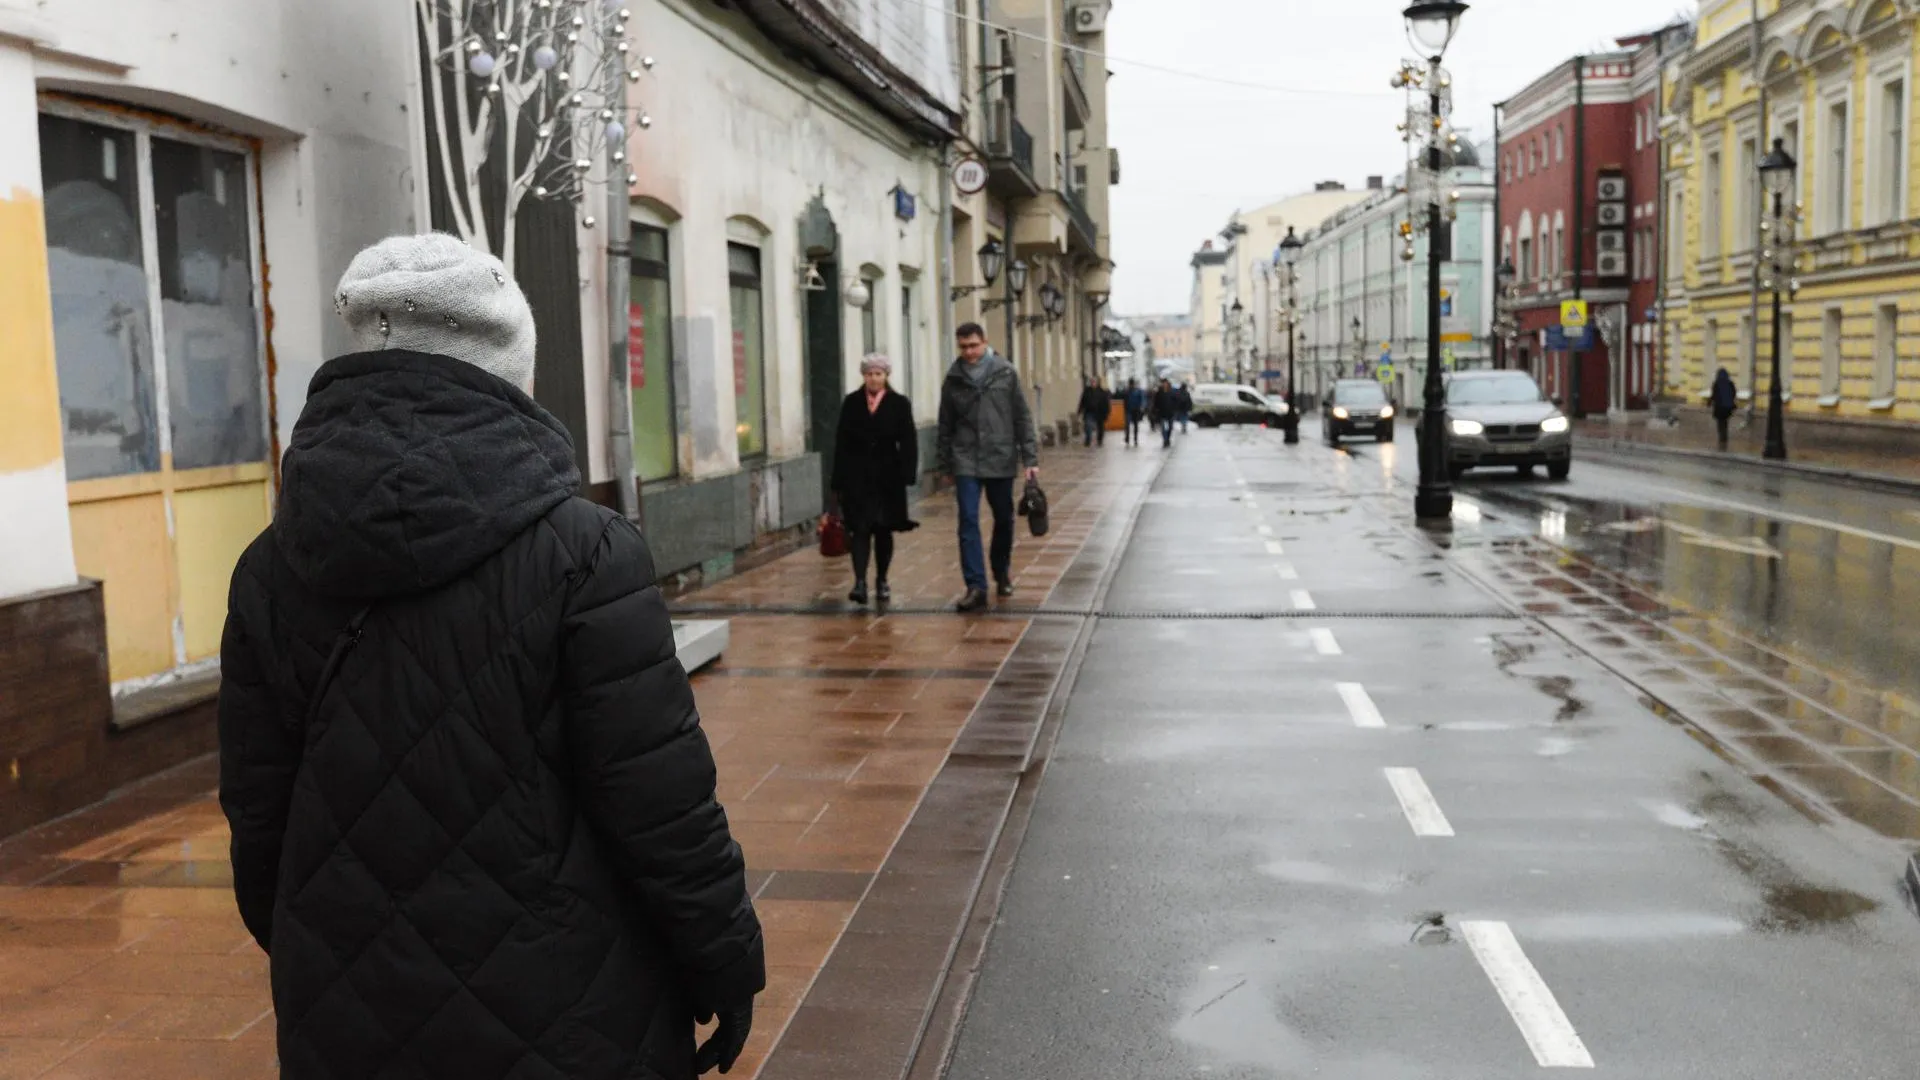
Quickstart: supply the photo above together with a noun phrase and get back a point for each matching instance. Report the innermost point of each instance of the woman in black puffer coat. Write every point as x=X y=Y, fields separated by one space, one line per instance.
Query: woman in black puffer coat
x=876 y=457
x=473 y=812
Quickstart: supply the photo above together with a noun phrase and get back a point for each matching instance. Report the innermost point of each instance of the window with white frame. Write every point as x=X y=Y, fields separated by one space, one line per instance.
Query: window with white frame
x=1889 y=151
x=1886 y=355
x=1547 y=267
x=1559 y=246
x=1525 y=264
x=1559 y=144
x=1745 y=188
x=1786 y=355
x=1709 y=353
x=1747 y=351
x=1710 y=181
x=1831 y=327
x=1676 y=230
x=157 y=327
x=1834 y=176
x=1639 y=130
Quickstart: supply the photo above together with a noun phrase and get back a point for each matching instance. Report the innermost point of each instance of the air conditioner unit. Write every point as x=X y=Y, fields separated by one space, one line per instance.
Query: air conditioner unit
x=1610 y=240
x=1613 y=214
x=1611 y=264
x=1090 y=17
x=1613 y=189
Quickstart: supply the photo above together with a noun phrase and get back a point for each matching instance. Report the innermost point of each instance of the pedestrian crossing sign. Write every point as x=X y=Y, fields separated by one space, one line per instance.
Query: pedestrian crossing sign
x=1573 y=314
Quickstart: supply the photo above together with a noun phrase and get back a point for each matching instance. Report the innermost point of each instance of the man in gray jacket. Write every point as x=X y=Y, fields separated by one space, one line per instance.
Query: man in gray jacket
x=986 y=435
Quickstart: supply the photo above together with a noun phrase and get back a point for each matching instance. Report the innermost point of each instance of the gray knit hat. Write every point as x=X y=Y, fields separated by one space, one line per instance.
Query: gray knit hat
x=435 y=294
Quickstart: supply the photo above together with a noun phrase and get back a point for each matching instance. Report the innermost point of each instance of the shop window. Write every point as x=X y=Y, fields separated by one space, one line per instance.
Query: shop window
x=650 y=355
x=152 y=244
x=749 y=349
x=1831 y=328
x=102 y=323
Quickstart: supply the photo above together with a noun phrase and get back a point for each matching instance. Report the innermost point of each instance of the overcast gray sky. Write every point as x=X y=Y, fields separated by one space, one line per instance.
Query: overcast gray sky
x=1192 y=151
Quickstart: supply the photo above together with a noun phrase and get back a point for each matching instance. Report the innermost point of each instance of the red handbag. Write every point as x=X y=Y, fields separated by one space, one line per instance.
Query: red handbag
x=833 y=536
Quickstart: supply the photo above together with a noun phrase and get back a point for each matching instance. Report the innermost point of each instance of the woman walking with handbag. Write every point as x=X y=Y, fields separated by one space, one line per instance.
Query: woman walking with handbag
x=876 y=457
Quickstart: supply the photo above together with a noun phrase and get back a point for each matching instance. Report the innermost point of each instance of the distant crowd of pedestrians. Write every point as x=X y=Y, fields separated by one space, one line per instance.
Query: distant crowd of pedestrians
x=1163 y=407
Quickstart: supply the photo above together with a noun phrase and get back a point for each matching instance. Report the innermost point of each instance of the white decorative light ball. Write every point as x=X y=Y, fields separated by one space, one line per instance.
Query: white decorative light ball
x=632 y=179
x=619 y=156
x=545 y=57
x=622 y=47
x=633 y=76
x=645 y=121
x=647 y=62
x=589 y=222
x=573 y=38
x=474 y=46
x=582 y=165
x=540 y=192
x=481 y=64
x=564 y=77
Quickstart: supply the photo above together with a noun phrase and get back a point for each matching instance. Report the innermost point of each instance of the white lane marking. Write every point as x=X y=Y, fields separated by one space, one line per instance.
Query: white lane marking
x=1303 y=600
x=1360 y=706
x=1287 y=572
x=1686 y=497
x=1423 y=812
x=1548 y=1032
x=1324 y=642
x=1274 y=547
x=1264 y=530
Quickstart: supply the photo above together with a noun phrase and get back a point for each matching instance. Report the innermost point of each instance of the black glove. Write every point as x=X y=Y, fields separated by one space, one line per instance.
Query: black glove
x=723 y=1047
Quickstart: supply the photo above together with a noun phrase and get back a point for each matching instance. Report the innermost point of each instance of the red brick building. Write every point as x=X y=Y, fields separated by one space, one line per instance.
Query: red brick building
x=1579 y=172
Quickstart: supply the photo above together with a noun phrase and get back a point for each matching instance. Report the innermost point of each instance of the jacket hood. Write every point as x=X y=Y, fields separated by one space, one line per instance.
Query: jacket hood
x=408 y=469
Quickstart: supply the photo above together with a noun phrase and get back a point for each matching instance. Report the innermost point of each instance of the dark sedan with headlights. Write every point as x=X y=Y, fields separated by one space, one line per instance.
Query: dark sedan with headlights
x=1356 y=407
x=1500 y=419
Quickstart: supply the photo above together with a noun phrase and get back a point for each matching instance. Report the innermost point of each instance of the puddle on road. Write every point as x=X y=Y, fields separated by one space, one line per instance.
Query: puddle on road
x=1789 y=905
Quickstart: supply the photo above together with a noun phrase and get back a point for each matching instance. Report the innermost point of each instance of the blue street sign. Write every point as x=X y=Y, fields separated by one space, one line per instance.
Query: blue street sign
x=1271 y=374
x=1558 y=341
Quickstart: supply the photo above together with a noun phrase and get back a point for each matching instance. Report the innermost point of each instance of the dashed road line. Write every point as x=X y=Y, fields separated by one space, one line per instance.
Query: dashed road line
x=1324 y=642
x=1360 y=706
x=1303 y=601
x=1287 y=571
x=1264 y=530
x=1423 y=812
x=1549 y=1034
x=1274 y=547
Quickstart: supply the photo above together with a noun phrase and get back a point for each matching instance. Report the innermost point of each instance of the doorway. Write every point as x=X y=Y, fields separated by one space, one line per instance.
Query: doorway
x=826 y=365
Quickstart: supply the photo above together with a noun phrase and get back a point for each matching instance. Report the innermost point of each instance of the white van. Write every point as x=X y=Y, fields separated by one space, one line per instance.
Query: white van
x=1224 y=403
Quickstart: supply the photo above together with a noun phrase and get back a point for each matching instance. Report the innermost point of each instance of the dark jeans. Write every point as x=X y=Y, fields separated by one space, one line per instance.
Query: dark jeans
x=1720 y=422
x=860 y=537
x=1133 y=428
x=1096 y=428
x=999 y=492
x=1165 y=424
x=1184 y=417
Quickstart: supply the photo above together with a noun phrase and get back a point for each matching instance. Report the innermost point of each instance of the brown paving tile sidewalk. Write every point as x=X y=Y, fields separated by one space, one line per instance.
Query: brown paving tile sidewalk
x=121 y=953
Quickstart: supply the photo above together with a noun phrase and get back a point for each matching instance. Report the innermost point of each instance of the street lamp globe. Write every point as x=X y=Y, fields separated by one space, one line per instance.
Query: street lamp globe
x=1237 y=309
x=1506 y=273
x=992 y=258
x=1290 y=247
x=1431 y=24
x=1052 y=301
x=1017 y=276
x=1777 y=169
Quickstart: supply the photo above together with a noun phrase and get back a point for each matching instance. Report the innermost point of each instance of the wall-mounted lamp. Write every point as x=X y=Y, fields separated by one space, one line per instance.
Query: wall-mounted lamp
x=1053 y=304
x=1016 y=286
x=992 y=257
x=858 y=295
x=810 y=279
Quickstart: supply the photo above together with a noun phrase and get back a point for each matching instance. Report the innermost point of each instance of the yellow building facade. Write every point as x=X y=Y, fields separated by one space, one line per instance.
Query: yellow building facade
x=1834 y=79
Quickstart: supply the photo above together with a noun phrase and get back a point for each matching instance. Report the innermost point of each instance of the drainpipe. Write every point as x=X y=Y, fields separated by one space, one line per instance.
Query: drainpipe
x=1660 y=235
x=1499 y=252
x=626 y=485
x=1579 y=210
x=1755 y=198
x=944 y=156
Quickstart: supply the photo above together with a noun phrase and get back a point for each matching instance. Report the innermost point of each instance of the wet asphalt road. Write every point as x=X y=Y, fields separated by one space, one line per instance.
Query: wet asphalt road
x=1398 y=827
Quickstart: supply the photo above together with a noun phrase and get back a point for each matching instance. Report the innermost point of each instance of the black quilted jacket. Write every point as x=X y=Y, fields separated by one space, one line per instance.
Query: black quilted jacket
x=473 y=811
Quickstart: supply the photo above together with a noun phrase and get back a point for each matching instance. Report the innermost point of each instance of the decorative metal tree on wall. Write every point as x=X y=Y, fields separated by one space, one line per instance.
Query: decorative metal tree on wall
x=542 y=82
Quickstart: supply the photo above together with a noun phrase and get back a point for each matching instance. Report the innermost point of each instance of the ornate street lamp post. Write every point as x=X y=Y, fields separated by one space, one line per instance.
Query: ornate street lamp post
x=1430 y=27
x=1289 y=257
x=1776 y=172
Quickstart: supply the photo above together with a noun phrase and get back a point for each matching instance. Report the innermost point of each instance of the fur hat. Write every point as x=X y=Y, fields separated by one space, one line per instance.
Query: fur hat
x=434 y=293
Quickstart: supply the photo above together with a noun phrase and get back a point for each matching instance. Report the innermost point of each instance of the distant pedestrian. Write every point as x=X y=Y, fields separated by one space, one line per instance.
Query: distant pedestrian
x=1726 y=399
x=1185 y=406
x=1095 y=404
x=986 y=435
x=1166 y=405
x=473 y=814
x=876 y=457
x=1135 y=406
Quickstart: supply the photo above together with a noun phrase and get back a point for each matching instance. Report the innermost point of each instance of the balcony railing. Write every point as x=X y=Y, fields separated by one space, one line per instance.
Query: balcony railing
x=1077 y=210
x=1009 y=145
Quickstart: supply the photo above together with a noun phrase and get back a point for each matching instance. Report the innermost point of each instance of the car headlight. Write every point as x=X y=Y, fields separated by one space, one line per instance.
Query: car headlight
x=1469 y=427
x=1386 y=413
x=1554 y=425
x=1339 y=412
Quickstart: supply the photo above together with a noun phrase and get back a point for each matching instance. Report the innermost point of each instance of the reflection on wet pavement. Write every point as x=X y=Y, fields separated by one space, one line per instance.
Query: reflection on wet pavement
x=1764 y=613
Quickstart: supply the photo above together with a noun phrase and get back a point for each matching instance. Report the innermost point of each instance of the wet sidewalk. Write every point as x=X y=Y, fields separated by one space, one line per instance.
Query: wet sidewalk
x=121 y=953
x=1694 y=437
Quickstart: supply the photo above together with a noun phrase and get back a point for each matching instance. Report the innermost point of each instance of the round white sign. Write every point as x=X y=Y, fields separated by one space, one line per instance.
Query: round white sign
x=970 y=176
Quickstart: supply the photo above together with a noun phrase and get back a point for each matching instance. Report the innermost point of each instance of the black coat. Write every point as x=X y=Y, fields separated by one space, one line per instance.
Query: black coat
x=473 y=811
x=876 y=457
x=1166 y=404
x=1095 y=401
